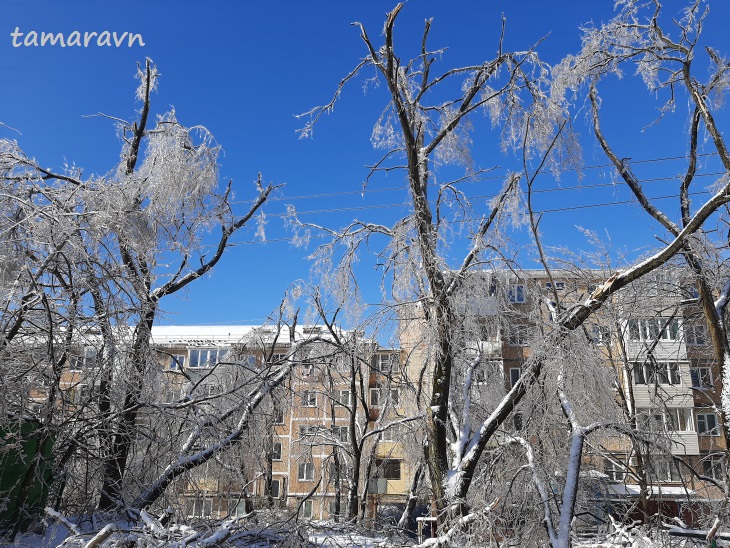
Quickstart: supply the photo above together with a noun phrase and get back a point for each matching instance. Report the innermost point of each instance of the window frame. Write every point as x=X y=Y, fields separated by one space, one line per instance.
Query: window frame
x=661 y=329
x=389 y=469
x=308 y=398
x=695 y=334
x=704 y=430
x=616 y=473
x=650 y=374
x=216 y=352
x=700 y=379
x=517 y=293
x=276 y=456
x=307 y=509
x=305 y=471
x=713 y=466
x=205 y=503
x=340 y=397
x=512 y=380
x=518 y=335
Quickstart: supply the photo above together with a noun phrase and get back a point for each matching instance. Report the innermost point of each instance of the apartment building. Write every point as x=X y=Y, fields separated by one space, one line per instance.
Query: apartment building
x=328 y=438
x=661 y=380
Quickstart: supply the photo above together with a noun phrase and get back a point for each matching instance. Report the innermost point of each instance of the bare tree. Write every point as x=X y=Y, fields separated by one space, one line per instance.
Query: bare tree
x=420 y=128
x=91 y=249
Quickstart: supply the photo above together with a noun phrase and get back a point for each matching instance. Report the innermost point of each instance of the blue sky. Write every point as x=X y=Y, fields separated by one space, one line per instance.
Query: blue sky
x=244 y=69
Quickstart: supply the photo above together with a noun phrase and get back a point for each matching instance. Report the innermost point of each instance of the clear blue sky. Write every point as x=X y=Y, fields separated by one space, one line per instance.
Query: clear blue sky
x=244 y=69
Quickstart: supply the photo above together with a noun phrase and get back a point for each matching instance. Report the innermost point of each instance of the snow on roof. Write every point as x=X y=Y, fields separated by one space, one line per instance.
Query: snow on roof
x=657 y=491
x=229 y=334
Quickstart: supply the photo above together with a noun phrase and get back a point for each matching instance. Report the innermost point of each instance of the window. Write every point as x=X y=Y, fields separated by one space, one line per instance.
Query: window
x=663 y=468
x=615 y=471
x=375 y=397
x=85 y=360
x=377 y=400
x=277 y=359
x=332 y=507
x=707 y=424
x=514 y=375
x=516 y=293
x=237 y=507
x=695 y=335
x=668 y=420
x=278 y=415
x=713 y=467
x=388 y=469
x=344 y=397
x=701 y=377
x=341 y=433
x=391 y=433
x=275 y=488
x=199 y=508
x=176 y=362
x=600 y=334
x=517 y=419
x=388 y=362
x=306 y=471
x=307 y=369
x=654 y=329
x=79 y=394
x=337 y=472
x=559 y=286
x=208 y=390
x=342 y=365
x=678 y=420
x=309 y=399
x=307 y=430
x=205 y=357
x=306 y=509
x=519 y=335
x=656 y=373
x=276 y=451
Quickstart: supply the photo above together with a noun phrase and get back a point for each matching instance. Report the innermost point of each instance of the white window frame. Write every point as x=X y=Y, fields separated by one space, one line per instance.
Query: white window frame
x=673 y=419
x=388 y=362
x=701 y=376
x=662 y=468
x=616 y=472
x=519 y=335
x=176 y=362
x=695 y=334
x=703 y=426
x=305 y=471
x=276 y=455
x=278 y=415
x=307 y=369
x=559 y=286
x=517 y=293
x=341 y=433
x=645 y=374
x=204 y=510
x=83 y=361
x=306 y=509
x=375 y=397
x=344 y=397
x=392 y=433
x=237 y=507
x=208 y=356
x=653 y=329
x=713 y=466
x=309 y=398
